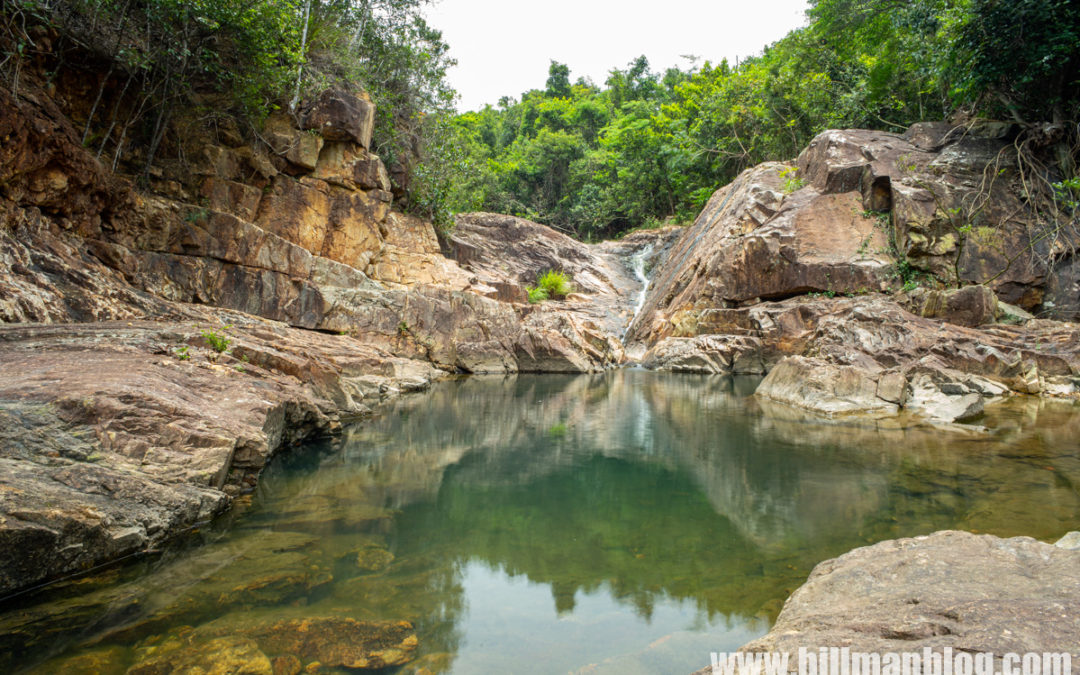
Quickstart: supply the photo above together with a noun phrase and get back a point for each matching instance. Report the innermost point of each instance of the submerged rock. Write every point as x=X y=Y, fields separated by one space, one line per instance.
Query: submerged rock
x=973 y=593
x=337 y=641
x=373 y=559
x=220 y=656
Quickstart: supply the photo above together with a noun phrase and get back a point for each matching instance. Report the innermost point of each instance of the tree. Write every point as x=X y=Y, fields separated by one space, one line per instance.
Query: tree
x=558 y=82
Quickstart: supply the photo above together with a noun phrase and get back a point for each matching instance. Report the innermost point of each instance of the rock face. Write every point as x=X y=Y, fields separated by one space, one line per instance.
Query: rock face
x=754 y=241
x=973 y=593
x=507 y=254
x=835 y=222
x=755 y=280
x=122 y=425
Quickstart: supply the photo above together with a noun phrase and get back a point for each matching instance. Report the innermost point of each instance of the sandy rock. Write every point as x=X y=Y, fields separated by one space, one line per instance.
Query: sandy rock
x=974 y=593
x=339 y=115
x=338 y=224
x=345 y=165
x=823 y=387
x=410 y=256
x=298 y=147
x=970 y=306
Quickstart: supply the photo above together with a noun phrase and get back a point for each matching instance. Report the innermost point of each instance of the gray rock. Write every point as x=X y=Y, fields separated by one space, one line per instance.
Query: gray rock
x=944 y=401
x=1070 y=541
x=1007 y=313
x=975 y=593
x=824 y=387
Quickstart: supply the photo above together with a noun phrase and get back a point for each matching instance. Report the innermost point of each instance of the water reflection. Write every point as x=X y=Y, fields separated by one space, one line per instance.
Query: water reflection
x=627 y=521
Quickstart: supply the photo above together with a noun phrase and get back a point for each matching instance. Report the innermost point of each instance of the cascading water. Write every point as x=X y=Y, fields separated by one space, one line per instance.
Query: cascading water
x=637 y=264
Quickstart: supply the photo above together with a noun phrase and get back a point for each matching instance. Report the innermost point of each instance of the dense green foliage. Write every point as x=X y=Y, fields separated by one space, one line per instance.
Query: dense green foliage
x=595 y=160
x=647 y=147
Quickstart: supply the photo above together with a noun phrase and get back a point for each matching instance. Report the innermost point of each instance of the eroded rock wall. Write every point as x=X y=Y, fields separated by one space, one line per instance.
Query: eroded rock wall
x=875 y=262
x=122 y=421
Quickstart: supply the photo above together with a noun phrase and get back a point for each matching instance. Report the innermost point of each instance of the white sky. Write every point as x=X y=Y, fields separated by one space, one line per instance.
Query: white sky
x=504 y=47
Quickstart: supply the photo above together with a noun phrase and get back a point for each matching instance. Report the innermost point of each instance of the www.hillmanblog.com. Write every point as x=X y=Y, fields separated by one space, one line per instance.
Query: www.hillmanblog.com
x=843 y=661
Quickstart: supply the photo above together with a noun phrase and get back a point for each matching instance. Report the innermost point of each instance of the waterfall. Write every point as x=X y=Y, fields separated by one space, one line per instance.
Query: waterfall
x=637 y=265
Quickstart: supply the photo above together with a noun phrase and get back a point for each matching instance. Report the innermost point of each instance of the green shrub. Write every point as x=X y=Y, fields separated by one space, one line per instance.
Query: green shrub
x=555 y=283
x=218 y=340
x=536 y=294
x=792 y=182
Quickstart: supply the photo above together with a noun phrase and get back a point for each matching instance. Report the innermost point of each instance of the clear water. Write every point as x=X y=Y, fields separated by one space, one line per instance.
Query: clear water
x=628 y=522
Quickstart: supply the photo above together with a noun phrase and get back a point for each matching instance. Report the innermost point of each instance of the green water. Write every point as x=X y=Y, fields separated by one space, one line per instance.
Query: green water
x=628 y=522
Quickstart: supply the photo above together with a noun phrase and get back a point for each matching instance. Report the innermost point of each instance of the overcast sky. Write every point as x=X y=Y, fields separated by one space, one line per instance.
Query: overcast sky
x=504 y=47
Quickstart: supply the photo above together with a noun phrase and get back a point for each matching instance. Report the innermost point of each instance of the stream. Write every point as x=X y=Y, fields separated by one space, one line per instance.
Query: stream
x=627 y=522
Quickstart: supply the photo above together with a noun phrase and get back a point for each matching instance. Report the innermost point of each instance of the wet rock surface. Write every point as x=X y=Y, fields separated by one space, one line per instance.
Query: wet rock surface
x=973 y=593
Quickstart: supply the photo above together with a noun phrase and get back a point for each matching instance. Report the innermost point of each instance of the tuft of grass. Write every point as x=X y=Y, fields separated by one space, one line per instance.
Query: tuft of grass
x=181 y=353
x=218 y=340
x=555 y=283
x=536 y=294
x=792 y=182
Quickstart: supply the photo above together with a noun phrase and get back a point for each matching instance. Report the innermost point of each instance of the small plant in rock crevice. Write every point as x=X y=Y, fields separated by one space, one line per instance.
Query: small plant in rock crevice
x=536 y=294
x=218 y=340
x=555 y=283
x=792 y=182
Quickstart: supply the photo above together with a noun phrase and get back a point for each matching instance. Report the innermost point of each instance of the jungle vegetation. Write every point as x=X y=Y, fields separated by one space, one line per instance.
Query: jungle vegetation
x=594 y=159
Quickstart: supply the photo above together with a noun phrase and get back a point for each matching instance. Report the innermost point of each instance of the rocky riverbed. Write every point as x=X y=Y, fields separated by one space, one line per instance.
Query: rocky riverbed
x=159 y=344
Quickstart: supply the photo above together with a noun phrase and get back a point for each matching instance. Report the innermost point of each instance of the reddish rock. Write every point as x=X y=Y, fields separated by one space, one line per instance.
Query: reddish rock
x=970 y=306
x=754 y=242
x=342 y=116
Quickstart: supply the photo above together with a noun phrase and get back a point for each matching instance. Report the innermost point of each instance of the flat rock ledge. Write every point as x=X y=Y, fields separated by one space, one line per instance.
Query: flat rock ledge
x=973 y=593
x=116 y=436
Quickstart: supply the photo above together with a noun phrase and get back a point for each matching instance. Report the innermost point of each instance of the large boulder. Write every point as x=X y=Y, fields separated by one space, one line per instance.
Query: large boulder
x=824 y=387
x=970 y=306
x=339 y=115
x=973 y=593
x=758 y=239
